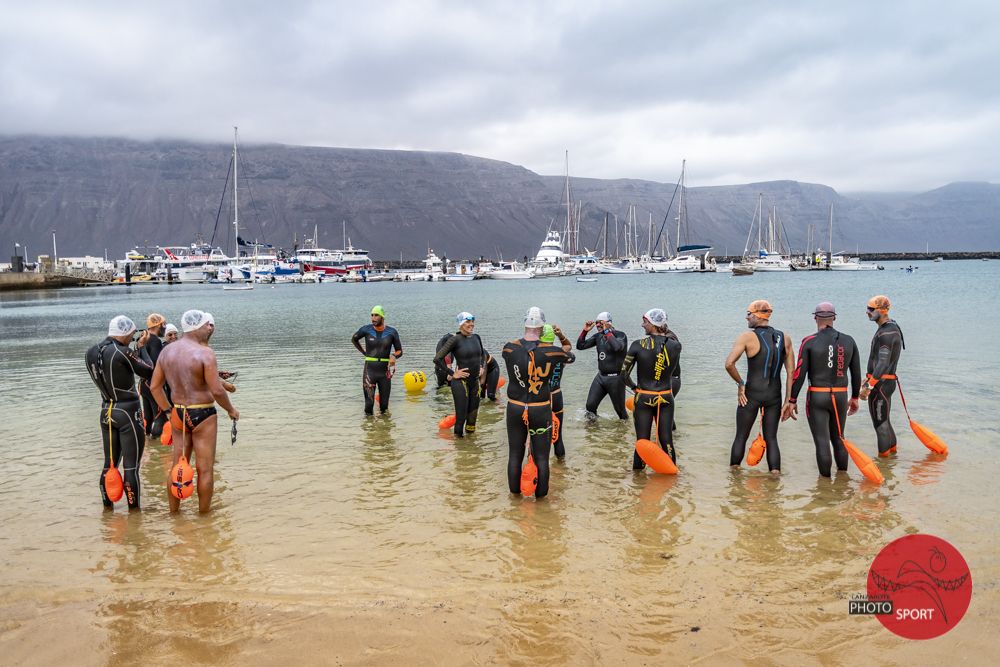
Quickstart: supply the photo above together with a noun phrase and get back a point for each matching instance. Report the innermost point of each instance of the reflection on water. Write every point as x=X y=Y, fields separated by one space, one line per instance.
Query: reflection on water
x=406 y=526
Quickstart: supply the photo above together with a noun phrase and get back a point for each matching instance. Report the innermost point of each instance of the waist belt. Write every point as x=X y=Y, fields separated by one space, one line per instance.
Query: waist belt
x=194 y=407
x=656 y=393
x=374 y=359
x=527 y=405
x=884 y=377
x=828 y=390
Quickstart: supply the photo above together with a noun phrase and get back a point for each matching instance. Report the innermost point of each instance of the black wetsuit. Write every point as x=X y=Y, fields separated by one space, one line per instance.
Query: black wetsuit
x=153 y=417
x=529 y=407
x=492 y=378
x=763 y=391
x=886 y=347
x=825 y=358
x=375 y=377
x=555 y=382
x=611 y=345
x=113 y=367
x=469 y=354
x=657 y=357
x=442 y=375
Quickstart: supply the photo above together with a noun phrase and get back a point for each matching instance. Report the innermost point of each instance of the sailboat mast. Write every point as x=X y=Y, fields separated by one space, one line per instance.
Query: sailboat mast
x=236 y=192
x=830 y=248
x=570 y=245
x=680 y=204
x=760 y=220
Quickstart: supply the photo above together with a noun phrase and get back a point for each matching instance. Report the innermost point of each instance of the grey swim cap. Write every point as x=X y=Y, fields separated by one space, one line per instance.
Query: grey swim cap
x=657 y=317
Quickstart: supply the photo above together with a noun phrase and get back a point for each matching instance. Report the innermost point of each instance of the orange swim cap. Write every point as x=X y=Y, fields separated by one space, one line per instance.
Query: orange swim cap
x=761 y=309
x=880 y=303
x=181 y=478
x=155 y=320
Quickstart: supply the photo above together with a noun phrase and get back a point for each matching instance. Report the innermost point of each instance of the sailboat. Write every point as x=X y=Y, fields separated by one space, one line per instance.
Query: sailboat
x=248 y=285
x=690 y=257
x=839 y=262
x=769 y=257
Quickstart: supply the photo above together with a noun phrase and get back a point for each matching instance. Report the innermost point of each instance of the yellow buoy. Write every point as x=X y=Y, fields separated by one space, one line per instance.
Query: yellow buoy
x=414 y=381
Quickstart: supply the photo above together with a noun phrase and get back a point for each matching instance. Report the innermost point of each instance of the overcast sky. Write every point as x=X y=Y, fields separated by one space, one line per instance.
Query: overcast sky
x=855 y=95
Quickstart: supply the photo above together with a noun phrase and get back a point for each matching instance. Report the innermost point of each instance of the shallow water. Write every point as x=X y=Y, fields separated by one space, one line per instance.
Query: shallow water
x=380 y=539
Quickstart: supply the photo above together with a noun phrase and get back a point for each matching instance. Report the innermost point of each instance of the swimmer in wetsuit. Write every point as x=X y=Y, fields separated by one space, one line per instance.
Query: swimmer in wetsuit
x=113 y=366
x=442 y=376
x=767 y=350
x=469 y=374
x=492 y=378
x=881 y=381
x=825 y=358
x=153 y=418
x=611 y=345
x=656 y=357
x=529 y=401
x=547 y=338
x=382 y=349
x=190 y=368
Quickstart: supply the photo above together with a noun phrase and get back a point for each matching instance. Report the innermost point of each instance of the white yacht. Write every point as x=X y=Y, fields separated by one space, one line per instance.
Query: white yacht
x=839 y=262
x=511 y=271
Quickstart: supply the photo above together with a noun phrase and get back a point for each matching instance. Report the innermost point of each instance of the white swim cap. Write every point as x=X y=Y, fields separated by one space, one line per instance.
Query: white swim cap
x=657 y=317
x=603 y=317
x=170 y=329
x=121 y=326
x=195 y=319
x=534 y=318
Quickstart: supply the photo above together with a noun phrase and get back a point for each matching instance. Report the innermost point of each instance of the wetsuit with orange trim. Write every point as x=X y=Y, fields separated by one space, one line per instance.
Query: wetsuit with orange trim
x=376 y=378
x=886 y=347
x=825 y=358
x=113 y=368
x=529 y=408
x=611 y=345
x=763 y=392
x=153 y=418
x=656 y=358
x=469 y=354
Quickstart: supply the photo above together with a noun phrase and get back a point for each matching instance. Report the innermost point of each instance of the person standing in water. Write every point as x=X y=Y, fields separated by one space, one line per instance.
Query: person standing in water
x=190 y=368
x=170 y=334
x=826 y=357
x=113 y=366
x=469 y=374
x=880 y=385
x=529 y=401
x=382 y=349
x=611 y=345
x=656 y=357
x=153 y=418
x=767 y=351
x=547 y=338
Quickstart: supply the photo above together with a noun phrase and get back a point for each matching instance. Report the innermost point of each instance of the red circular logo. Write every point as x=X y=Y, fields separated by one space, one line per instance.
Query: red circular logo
x=928 y=582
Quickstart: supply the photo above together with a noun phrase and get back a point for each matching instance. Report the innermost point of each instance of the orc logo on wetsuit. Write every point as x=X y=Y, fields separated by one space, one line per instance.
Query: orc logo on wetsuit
x=601 y=356
x=536 y=375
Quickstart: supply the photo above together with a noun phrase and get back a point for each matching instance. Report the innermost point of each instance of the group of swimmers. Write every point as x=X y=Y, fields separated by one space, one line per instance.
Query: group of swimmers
x=828 y=359
x=181 y=379
x=180 y=382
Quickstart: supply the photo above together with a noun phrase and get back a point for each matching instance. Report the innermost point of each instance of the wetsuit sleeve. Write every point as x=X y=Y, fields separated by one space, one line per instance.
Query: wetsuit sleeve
x=801 y=369
x=627 y=365
x=140 y=366
x=888 y=349
x=584 y=343
x=446 y=349
x=397 y=344
x=855 y=372
x=615 y=344
x=570 y=357
x=358 y=335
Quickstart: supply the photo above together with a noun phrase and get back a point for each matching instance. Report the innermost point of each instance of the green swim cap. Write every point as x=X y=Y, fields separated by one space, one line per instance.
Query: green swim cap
x=378 y=310
x=548 y=334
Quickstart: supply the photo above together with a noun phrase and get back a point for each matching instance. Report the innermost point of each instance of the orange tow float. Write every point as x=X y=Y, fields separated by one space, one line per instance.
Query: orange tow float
x=181 y=479
x=925 y=435
x=758 y=446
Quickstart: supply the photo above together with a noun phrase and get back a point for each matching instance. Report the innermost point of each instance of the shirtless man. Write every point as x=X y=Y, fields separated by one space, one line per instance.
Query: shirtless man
x=190 y=368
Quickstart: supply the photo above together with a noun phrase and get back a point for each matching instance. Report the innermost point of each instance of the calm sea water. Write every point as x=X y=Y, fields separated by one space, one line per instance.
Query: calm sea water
x=320 y=510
